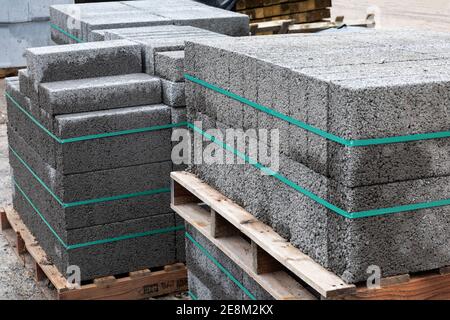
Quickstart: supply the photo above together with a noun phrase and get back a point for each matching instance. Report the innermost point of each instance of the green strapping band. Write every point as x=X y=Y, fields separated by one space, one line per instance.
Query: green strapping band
x=193 y=296
x=221 y=267
x=96 y=242
x=316 y=198
x=317 y=131
x=71 y=36
x=93 y=136
x=89 y=201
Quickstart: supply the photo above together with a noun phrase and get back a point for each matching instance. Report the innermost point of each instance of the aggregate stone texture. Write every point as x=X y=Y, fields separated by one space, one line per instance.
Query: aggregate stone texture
x=398 y=243
x=83 y=60
x=108 y=258
x=170 y=65
x=84 y=21
x=207 y=282
x=363 y=86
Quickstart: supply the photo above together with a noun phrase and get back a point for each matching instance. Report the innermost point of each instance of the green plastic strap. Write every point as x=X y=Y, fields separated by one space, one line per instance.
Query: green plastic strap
x=193 y=296
x=89 y=201
x=317 y=131
x=316 y=198
x=71 y=36
x=93 y=136
x=96 y=242
x=221 y=267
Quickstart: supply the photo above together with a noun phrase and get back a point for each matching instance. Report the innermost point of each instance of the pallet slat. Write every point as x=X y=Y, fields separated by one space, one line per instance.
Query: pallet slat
x=323 y=281
x=279 y=284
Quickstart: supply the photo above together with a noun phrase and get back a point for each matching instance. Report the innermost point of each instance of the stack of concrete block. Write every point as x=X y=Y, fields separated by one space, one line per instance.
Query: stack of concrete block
x=354 y=87
x=90 y=154
x=24 y=24
x=78 y=22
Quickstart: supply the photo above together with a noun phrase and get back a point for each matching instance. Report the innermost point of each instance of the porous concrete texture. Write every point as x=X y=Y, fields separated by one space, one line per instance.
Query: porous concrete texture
x=85 y=20
x=113 y=183
x=84 y=60
x=373 y=93
x=92 y=94
x=331 y=93
x=170 y=65
x=109 y=258
x=159 y=39
x=173 y=93
x=208 y=282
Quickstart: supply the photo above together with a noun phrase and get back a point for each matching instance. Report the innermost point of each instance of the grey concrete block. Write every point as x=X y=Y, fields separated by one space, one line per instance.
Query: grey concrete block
x=26 y=86
x=178 y=115
x=313 y=89
x=103 y=153
x=84 y=60
x=170 y=65
x=105 y=259
x=88 y=186
x=82 y=95
x=173 y=93
x=217 y=282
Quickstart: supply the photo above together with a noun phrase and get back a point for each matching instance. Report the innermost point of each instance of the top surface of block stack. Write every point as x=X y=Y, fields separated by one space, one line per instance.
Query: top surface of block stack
x=353 y=86
x=81 y=20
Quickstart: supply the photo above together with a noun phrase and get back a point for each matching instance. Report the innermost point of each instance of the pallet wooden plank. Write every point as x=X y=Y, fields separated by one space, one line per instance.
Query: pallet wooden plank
x=155 y=284
x=4 y=223
x=323 y=281
x=422 y=287
x=279 y=284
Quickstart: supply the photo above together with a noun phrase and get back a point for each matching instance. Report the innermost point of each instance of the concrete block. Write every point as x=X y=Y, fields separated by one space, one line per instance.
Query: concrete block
x=109 y=258
x=103 y=153
x=217 y=282
x=92 y=94
x=314 y=88
x=173 y=93
x=170 y=65
x=84 y=60
x=88 y=186
x=26 y=85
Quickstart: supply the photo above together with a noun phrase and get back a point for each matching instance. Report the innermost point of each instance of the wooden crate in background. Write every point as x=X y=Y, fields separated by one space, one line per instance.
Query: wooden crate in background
x=304 y=11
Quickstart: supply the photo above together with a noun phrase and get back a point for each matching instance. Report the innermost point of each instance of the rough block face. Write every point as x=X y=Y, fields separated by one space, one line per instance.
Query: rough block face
x=170 y=65
x=354 y=97
x=83 y=95
x=105 y=259
x=173 y=93
x=84 y=60
x=208 y=282
x=93 y=17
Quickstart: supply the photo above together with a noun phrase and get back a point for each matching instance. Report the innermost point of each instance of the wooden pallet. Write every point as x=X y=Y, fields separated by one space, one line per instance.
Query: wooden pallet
x=268 y=258
x=271 y=260
x=290 y=9
x=8 y=72
x=141 y=284
x=290 y=26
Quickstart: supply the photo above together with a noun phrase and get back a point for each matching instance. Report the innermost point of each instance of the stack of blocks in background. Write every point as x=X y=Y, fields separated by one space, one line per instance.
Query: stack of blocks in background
x=24 y=24
x=352 y=86
x=82 y=20
x=92 y=197
x=103 y=187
